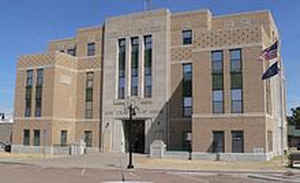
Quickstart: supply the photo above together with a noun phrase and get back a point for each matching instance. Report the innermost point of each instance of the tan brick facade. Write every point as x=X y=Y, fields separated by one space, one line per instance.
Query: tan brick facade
x=65 y=82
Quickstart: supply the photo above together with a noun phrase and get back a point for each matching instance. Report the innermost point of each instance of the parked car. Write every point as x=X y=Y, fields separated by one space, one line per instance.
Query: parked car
x=5 y=146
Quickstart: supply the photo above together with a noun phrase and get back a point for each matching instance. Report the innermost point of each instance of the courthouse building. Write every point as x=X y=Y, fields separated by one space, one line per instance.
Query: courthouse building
x=189 y=72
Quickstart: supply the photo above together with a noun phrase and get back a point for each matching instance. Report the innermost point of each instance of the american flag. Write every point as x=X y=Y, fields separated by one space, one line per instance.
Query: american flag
x=270 y=52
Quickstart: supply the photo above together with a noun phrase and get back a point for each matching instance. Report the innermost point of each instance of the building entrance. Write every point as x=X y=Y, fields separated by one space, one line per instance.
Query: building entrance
x=137 y=135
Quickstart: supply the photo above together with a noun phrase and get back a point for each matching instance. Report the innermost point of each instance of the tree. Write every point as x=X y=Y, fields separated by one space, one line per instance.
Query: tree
x=294 y=119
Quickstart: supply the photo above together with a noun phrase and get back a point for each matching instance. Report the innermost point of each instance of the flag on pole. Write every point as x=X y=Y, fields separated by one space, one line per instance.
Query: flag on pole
x=270 y=52
x=271 y=71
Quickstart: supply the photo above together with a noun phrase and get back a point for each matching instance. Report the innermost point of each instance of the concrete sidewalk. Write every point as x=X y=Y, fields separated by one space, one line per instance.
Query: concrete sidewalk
x=120 y=160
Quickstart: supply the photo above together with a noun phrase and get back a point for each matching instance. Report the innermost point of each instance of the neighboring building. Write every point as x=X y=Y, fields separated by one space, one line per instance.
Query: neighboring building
x=193 y=72
x=6 y=126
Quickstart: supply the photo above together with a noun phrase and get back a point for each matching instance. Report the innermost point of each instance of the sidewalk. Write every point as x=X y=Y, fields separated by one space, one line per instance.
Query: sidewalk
x=120 y=160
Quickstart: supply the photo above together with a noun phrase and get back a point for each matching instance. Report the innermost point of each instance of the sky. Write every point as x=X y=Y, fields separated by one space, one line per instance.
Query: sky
x=26 y=26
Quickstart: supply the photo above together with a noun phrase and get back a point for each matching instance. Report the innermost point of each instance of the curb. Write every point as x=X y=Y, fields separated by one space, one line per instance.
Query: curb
x=217 y=171
x=267 y=178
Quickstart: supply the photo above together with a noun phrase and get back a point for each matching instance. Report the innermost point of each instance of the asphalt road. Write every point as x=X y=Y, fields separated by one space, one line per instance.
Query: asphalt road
x=25 y=173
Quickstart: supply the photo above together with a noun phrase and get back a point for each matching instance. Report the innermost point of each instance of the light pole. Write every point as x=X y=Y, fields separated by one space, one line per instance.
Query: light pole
x=131 y=114
x=131 y=106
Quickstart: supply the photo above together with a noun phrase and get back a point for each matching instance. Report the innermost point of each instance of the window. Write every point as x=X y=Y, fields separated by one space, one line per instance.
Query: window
x=134 y=66
x=122 y=60
x=89 y=95
x=148 y=66
x=63 y=138
x=236 y=101
x=217 y=62
x=237 y=141
x=38 y=108
x=36 y=140
x=187 y=106
x=217 y=82
x=72 y=51
x=28 y=93
x=187 y=90
x=27 y=108
x=39 y=92
x=236 y=81
x=88 y=138
x=187 y=36
x=29 y=80
x=91 y=49
x=26 y=137
x=218 y=101
x=40 y=77
x=218 y=142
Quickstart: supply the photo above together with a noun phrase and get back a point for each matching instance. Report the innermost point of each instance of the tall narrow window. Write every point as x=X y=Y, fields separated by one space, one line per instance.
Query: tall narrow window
x=72 y=51
x=36 y=139
x=217 y=82
x=122 y=63
x=26 y=137
x=134 y=66
x=148 y=66
x=237 y=141
x=218 y=142
x=88 y=138
x=91 y=49
x=236 y=81
x=187 y=90
x=187 y=36
x=28 y=93
x=63 y=137
x=39 y=93
x=89 y=95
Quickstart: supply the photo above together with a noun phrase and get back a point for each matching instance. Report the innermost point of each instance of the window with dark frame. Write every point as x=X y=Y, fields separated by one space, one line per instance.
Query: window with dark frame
x=237 y=141
x=28 y=92
x=91 y=49
x=134 y=66
x=236 y=81
x=72 y=51
x=217 y=82
x=39 y=92
x=148 y=66
x=89 y=95
x=187 y=36
x=36 y=139
x=63 y=137
x=187 y=90
x=122 y=65
x=88 y=138
x=218 y=142
x=26 y=137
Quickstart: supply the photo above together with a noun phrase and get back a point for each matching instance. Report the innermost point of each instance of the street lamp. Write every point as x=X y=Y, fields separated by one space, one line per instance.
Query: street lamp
x=131 y=106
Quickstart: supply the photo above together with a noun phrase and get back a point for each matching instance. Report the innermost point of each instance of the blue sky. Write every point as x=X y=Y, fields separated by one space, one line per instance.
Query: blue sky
x=26 y=26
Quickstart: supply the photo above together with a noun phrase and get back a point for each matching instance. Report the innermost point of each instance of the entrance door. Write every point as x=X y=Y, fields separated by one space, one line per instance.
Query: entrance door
x=138 y=135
